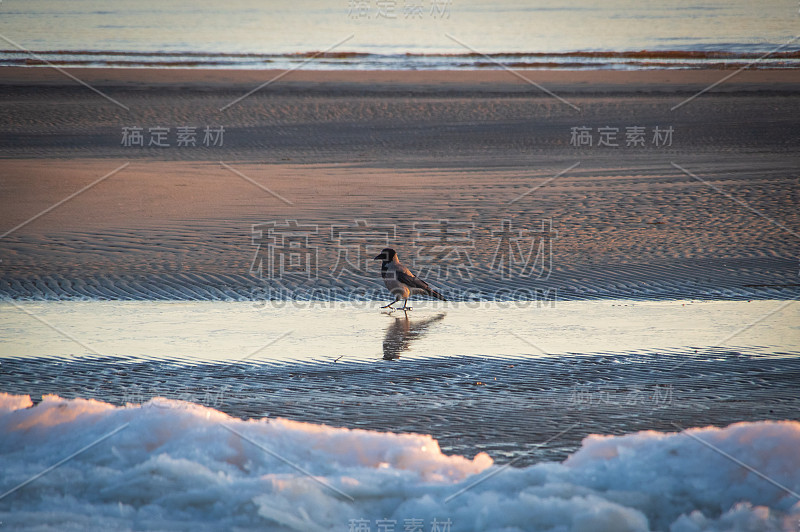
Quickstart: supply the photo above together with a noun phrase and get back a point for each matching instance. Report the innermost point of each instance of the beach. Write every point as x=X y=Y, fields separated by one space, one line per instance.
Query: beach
x=200 y=303
x=709 y=212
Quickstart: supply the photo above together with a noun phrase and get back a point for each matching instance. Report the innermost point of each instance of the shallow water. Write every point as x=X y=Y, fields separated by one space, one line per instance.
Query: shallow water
x=323 y=331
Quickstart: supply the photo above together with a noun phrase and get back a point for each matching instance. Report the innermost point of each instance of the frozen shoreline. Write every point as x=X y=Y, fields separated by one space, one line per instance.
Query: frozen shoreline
x=169 y=464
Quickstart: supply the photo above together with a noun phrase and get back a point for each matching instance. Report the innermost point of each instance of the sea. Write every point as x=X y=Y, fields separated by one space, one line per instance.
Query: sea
x=401 y=34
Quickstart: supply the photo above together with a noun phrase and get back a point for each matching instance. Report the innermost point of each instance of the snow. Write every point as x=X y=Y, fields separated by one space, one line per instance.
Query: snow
x=174 y=465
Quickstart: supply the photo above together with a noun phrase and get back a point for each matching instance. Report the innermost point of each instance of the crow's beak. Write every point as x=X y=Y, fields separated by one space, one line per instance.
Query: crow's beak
x=380 y=257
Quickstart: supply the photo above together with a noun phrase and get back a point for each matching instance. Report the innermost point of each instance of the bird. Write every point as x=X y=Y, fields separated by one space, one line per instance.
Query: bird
x=400 y=281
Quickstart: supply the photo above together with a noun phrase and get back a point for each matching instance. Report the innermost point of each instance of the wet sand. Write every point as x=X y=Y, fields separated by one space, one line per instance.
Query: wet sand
x=569 y=80
x=403 y=150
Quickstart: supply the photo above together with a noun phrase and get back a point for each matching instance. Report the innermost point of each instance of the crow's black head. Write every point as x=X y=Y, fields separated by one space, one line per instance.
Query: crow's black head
x=387 y=255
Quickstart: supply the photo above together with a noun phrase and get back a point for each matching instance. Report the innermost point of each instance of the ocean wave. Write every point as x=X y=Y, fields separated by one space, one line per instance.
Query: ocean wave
x=173 y=465
x=571 y=60
x=639 y=54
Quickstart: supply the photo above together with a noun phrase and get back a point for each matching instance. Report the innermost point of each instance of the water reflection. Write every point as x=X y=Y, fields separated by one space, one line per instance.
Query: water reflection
x=402 y=332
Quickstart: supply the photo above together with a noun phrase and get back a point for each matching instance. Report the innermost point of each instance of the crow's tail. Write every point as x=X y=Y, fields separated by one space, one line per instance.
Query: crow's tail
x=437 y=295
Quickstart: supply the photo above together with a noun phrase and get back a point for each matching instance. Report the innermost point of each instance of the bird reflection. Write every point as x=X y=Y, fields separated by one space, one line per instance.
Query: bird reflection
x=402 y=332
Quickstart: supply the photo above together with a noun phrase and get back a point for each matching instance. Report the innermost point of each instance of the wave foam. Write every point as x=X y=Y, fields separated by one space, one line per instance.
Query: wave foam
x=177 y=465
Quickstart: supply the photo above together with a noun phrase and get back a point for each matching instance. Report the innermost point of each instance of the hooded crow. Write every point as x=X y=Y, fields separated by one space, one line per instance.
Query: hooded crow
x=400 y=281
